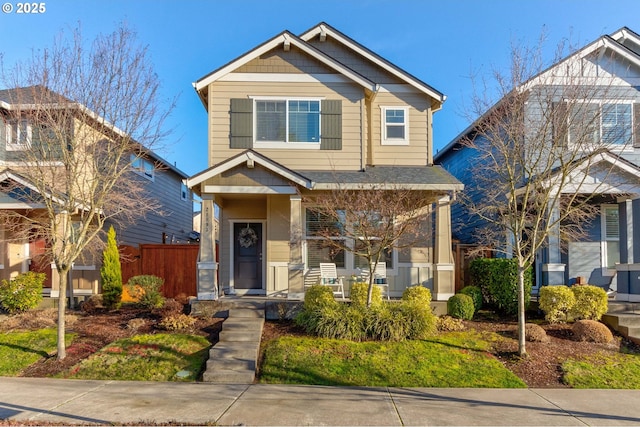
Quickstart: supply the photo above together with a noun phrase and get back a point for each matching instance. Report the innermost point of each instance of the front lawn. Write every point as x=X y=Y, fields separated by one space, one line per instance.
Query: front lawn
x=456 y=359
x=603 y=371
x=20 y=349
x=157 y=357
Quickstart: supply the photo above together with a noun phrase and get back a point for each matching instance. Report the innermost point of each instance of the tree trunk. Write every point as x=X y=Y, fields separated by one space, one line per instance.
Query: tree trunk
x=522 y=350
x=62 y=308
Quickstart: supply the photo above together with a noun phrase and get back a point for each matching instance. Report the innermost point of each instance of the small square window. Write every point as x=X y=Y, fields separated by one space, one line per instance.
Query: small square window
x=395 y=126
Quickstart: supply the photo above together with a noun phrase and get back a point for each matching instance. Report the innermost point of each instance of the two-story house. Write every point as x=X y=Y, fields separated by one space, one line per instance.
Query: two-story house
x=304 y=114
x=586 y=103
x=20 y=131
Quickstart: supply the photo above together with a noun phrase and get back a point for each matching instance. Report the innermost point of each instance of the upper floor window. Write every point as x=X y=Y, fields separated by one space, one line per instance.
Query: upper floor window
x=282 y=121
x=184 y=191
x=395 y=126
x=18 y=134
x=605 y=123
x=142 y=166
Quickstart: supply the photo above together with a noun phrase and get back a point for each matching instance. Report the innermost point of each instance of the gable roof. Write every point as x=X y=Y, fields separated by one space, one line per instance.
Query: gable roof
x=287 y=39
x=31 y=98
x=612 y=42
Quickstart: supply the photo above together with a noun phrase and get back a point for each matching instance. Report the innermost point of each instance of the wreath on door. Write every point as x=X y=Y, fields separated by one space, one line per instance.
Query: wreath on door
x=247 y=237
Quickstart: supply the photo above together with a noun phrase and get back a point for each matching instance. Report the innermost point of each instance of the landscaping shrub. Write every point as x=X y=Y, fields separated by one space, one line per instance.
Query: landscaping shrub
x=417 y=294
x=359 y=291
x=592 y=331
x=177 y=322
x=146 y=290
x=111 y=273
x=449 y=324
x=591 y=302
x=340 y=321
x=476 y=295
x=461 y=306
x=92 y=304
x=318 y=296
x=22 y=293
x=387 y=323
x=171 y=307
x=498 y=280
x=556 y=302
x=535 y=333
x=419 y=317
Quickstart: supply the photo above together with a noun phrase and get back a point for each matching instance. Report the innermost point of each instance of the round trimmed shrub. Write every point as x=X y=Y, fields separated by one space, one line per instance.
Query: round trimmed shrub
x=22 y=293
x=476 y=295
x=556 y=302
x=592 y=331
x=591 y=302
x=318 y=296
x=460 y=306
x=418 y=294
x=535 y=333
x=359 y=291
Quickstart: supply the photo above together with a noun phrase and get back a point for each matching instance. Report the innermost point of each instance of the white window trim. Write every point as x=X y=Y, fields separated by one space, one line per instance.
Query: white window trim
x=10 y=145
x=614 y=147
x=606 y=271
x=184 y=191
x=143 y=172
x=383 y=126
x=285 y=144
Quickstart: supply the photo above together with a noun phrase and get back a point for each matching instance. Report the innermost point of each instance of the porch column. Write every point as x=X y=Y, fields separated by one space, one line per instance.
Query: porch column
x=444 y=274
x=207 y=265
x=553 y=269
x=628 y=270
x=296 y=264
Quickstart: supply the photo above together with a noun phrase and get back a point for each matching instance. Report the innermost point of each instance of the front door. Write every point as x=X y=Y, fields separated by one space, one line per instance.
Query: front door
x=247 y=258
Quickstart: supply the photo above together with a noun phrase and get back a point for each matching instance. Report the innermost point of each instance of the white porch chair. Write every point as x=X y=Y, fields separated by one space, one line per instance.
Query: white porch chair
x=329 y=277
x=380 y=278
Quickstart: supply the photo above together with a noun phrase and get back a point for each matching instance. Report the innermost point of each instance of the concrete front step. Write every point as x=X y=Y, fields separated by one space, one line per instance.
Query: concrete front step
x=232 y=364
x=229 y=377
x=244 y=350
x=626 y=324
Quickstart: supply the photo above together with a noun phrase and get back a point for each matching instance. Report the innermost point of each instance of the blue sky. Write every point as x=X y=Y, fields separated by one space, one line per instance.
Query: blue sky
x=441 y=42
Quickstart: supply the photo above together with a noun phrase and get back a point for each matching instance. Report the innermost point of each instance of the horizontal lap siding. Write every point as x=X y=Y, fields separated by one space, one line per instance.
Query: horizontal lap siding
x=350 y=95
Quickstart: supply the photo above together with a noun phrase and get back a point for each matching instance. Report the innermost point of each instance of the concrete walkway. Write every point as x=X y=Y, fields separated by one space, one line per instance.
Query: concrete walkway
x=116 y=402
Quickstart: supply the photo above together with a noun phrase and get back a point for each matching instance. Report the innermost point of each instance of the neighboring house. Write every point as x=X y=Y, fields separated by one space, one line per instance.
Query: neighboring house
x=609 y=257
x=304 y=114
x=164 y=183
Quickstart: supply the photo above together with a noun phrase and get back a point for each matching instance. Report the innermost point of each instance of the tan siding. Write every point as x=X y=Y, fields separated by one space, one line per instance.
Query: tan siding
x=278 y=229
x=346 y=159
x=280 y=61
x=240 y=175
x=415 y=154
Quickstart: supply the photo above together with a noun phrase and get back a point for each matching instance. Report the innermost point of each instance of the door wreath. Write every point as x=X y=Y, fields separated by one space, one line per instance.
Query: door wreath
x=247 y=237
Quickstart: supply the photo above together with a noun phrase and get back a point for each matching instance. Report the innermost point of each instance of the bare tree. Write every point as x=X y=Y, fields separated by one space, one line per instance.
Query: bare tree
x=537 y=151
x=82 y=118
x=370 y=222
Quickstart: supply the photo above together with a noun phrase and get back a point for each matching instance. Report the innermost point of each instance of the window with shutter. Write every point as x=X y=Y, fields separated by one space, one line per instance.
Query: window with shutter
x=610 y=236
x=608 y=123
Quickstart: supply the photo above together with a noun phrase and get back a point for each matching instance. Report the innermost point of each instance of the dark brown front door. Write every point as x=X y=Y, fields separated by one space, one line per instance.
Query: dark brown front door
x=247 y=255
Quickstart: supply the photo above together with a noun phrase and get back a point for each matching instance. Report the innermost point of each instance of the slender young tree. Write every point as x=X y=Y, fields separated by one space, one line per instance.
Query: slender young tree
x=370 y=222
x=536 y=152
x=111 y=272
x=85 y=115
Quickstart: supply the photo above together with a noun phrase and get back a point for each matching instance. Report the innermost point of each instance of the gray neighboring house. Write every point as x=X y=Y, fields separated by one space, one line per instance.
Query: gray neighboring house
x=610 y=256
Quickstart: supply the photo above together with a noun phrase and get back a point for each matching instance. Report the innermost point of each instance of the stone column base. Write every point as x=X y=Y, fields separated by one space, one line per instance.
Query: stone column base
x=207 y=282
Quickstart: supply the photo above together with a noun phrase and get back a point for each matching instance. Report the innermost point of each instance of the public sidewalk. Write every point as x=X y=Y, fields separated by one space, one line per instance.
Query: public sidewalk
x=117 y=402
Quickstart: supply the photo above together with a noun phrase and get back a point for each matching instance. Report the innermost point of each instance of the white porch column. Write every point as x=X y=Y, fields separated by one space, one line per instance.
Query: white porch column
x=444 y=271
x=207 y=265
x=296 y=263
x=553 y=269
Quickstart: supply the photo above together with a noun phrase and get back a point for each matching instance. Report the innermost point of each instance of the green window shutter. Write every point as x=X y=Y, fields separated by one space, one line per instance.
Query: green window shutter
x=331 y=132
x=241 y=112
x=636 y=125
x=559 y=123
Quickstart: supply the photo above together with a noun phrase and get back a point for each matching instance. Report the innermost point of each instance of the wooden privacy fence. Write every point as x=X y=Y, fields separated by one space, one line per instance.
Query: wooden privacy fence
x=176 y=264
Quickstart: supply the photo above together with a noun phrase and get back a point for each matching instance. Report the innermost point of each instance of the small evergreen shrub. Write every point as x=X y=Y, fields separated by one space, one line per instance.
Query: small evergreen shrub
x=498 y=280
x=556 y=302
x=417 y=294
x=535 y=333
x=591 y=302
x=111 y=273
x=359 y=291
x=592 y=331
x=177 y=322
x=419 y=317
x=476 y=295
x=318 y=296
x=22 y=293
x=449 y=324
x=461 y=306
x=146 y=290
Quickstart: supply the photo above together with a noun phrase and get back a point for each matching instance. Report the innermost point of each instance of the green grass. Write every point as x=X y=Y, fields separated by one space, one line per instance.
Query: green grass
x=156 y=357
x=621 y=371
x=448 y=360
x=21 y=349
